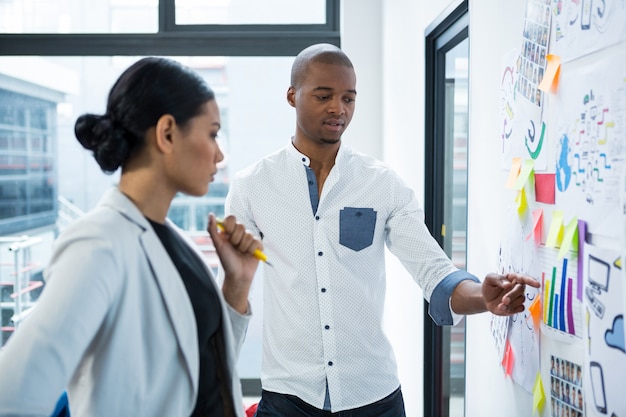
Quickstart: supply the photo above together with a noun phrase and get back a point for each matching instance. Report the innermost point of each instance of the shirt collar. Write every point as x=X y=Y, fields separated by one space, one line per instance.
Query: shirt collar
x=304 y=160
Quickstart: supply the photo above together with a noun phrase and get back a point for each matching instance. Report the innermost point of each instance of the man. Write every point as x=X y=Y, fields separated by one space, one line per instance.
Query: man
x=325 y=214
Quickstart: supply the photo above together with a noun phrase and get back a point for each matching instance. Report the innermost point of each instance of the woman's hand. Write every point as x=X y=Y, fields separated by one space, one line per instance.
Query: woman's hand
x=235 y=247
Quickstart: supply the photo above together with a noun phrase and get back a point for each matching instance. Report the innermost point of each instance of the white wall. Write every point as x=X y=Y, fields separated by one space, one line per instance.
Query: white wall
x=362 y=40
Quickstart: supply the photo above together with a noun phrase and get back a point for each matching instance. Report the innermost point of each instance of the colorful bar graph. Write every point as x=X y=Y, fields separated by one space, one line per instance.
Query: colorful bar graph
x=570 y=309
x=551 y=308
x=559 y=299
x=555 y=320
x=562 y=310
x=562 y=297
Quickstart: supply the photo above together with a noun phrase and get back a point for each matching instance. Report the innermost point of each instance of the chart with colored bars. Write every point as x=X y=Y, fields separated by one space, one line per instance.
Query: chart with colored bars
x=562 y=293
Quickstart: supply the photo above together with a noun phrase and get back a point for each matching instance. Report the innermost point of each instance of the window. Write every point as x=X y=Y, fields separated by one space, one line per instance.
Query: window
x=59 y=62
x=227 y=12
x=27 y=168
x=165 y=27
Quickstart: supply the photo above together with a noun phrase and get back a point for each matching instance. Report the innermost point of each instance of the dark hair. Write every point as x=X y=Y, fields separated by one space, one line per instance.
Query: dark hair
x=324 y=53
x=147 y=90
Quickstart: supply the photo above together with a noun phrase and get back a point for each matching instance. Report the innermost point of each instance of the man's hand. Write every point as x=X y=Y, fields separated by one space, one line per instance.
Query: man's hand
x=504 y=295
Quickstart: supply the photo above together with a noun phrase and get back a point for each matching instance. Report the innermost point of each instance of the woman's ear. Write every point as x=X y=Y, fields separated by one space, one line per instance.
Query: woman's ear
x=165 y=129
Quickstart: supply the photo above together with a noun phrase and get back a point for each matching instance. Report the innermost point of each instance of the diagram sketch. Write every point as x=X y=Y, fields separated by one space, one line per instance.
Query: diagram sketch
x=584 y=26
x=587 y=120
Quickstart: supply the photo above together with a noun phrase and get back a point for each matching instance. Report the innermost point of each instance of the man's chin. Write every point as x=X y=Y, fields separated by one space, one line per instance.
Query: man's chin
x=333 y=141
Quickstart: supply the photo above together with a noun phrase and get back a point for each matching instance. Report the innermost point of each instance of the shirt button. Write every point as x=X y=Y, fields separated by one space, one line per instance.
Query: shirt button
x=330 y=363
x=303 y=159
x=323 y=289
x=317 y=217
x=327 y=327
x=320 y=253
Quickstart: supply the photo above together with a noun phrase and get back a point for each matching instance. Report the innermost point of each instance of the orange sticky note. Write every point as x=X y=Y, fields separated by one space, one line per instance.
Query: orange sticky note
x=539 y=395
x=516 y=165
x=550 y=81
x=535 y=311
x=537 y=226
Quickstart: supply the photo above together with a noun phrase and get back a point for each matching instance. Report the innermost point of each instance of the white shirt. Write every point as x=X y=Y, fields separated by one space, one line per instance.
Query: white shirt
x=324 y=295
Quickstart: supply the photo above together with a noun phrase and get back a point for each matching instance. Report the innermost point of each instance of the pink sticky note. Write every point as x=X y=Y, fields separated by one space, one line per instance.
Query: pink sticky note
x=537 y=230
x=508 y=360
x=545 y=188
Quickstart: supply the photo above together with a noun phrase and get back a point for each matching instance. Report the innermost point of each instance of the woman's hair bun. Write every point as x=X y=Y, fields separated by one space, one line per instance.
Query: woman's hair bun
x=105 y=138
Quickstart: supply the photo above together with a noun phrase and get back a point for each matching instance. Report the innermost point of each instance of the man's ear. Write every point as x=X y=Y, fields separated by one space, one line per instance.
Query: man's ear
x=291 y=96
x=165 y=130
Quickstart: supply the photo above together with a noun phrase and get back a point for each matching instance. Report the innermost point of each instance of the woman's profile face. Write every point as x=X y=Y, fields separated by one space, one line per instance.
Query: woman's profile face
x=196 y=152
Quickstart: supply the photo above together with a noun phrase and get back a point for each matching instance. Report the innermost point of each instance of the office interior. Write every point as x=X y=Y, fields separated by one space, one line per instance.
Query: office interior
x=390 y=44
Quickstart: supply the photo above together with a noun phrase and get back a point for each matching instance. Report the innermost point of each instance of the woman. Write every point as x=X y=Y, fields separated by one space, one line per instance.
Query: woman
x=131 y=320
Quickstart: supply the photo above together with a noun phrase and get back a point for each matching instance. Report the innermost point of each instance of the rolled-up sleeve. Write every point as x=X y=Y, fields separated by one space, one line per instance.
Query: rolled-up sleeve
x=439 y=308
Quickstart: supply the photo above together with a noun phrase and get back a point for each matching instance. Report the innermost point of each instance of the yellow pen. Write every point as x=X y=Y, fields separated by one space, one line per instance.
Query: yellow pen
x=257 y=253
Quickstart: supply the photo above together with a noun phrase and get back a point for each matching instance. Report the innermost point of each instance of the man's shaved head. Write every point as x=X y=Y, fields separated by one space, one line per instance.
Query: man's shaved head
x=324 y=53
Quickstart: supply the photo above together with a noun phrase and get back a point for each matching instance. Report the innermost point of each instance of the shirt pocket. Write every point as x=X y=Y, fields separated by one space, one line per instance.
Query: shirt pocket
x=356 y=227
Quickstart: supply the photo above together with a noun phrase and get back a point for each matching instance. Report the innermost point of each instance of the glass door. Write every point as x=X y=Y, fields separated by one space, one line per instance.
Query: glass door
x=447 y=56
x=454 y=226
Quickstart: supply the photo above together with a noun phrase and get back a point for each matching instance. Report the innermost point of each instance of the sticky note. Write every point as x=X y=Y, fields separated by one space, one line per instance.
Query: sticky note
x=535 y=311
x=539 y=395
x=521 y=201
x=527 y=169
x=545 y=188
x=508 y=359
x=570 y=238
x=550 y=81
x=537 y=229
x=516 y=165
x=555 y=234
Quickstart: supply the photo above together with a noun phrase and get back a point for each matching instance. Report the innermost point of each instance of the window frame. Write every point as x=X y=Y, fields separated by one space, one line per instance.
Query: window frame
x=182 y=40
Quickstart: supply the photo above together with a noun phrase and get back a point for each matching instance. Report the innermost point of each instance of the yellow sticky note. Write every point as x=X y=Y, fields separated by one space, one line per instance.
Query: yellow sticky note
x=555 y=235
x=522 y=204
x=539 y=396
x=570 y=238
x=550 y=80
x=516 y=165
x=527 y=169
